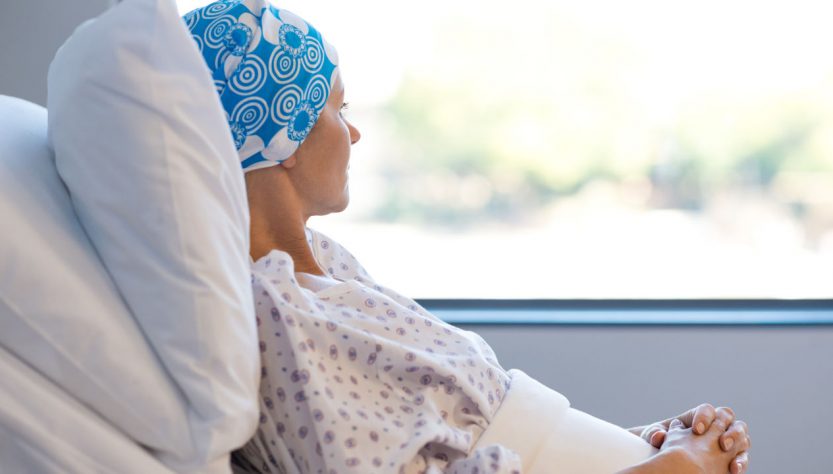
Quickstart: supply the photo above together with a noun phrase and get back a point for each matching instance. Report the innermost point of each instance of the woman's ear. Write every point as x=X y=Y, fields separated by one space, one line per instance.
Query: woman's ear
x=289 y=162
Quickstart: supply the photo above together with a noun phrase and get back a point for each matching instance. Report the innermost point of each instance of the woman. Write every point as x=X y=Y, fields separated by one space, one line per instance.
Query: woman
x=356 y=377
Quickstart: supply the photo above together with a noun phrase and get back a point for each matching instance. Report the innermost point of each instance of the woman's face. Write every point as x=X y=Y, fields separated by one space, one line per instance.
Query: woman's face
x=321 y=162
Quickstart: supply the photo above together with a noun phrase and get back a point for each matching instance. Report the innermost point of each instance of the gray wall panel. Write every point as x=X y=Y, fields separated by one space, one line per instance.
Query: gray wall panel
x=30 y=33
x=778 y=378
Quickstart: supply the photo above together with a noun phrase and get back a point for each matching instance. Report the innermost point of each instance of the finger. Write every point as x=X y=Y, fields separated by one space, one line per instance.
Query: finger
x=737 y=432
x=654 y=434
x=676 y=424
x=740 y=464
x=743 y=445
x=702 y=418
x=657 y=439
x=724 y=417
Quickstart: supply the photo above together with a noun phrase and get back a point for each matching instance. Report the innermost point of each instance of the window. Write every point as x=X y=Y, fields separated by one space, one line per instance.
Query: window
x=567 y=149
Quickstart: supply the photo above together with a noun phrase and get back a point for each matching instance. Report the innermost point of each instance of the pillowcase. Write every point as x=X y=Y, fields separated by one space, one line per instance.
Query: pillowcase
x=60 y=312
x=141 y=142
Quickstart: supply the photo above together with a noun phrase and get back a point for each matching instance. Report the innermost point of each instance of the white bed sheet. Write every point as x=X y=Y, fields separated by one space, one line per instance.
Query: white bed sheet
x=43 y=430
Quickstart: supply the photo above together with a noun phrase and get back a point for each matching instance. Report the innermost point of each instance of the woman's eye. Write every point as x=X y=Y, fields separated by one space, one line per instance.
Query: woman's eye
x=344 y=107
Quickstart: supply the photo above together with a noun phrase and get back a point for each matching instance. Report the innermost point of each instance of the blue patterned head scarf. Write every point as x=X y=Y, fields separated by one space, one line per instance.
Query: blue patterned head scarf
x=272 y=70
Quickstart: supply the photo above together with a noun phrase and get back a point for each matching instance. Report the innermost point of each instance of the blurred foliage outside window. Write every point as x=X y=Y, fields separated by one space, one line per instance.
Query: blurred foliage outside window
x=588 y=149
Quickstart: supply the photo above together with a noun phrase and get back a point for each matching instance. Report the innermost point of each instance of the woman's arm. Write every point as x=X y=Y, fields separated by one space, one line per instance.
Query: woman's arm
x=667 y=461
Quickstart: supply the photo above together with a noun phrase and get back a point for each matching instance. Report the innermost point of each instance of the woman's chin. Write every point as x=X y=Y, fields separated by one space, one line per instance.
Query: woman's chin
x=337 y=204
x=341 y=204
x=344 y=203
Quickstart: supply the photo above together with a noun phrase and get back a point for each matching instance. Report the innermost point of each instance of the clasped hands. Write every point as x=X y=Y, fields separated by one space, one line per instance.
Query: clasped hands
x=700 y=420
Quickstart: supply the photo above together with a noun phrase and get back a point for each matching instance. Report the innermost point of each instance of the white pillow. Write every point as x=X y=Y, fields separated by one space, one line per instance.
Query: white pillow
x=141 y=142
x=60 y=312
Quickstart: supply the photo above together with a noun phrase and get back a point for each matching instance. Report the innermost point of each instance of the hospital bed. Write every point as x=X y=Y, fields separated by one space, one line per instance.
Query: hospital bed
x=44 y=427
x=127 y=334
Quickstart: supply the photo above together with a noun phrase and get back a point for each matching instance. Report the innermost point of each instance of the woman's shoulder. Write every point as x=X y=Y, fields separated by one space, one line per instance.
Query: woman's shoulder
x=335 y=259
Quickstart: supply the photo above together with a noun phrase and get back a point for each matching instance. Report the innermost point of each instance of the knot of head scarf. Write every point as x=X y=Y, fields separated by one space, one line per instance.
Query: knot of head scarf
x=272 y=70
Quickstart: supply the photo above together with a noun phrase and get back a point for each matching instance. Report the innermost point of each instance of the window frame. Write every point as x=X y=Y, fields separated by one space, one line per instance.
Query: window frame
x=636 y=312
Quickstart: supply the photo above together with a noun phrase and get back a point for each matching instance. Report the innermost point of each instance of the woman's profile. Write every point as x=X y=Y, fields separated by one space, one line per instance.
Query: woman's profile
x=355 y=376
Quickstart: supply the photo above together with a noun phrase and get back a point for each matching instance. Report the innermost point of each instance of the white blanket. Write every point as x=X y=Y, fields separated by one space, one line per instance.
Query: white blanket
x=552 y=438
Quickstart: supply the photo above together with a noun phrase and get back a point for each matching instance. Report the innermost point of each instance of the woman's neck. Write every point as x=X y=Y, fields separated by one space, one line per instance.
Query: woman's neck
x=293 y=243
x=279 y=226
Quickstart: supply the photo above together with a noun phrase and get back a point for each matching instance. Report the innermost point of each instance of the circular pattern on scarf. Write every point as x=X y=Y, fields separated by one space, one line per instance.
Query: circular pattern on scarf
x=249 y=76
x=283 y=68
x=272 y=71
x=198 y=40
x=284 y=104
x=251 y=112
x=191 y=18
x=219 y=86
x=314 y=54
x=216 y=31
x=220 y=61
x=318 y=91
x=218 y=8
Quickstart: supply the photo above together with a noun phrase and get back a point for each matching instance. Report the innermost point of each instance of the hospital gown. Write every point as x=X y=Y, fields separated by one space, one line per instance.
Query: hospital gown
x=358 y=378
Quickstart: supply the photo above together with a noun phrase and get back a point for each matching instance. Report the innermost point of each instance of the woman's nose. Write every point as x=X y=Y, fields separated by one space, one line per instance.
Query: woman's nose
x=355 y=135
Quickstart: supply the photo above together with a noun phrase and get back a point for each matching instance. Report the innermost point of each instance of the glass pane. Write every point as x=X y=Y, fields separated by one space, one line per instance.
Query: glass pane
x=587 y=149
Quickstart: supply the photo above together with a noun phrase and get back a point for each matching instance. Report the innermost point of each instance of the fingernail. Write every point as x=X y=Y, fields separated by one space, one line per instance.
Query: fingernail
x=700 y=428
x=740 y=466
x=728 y=443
